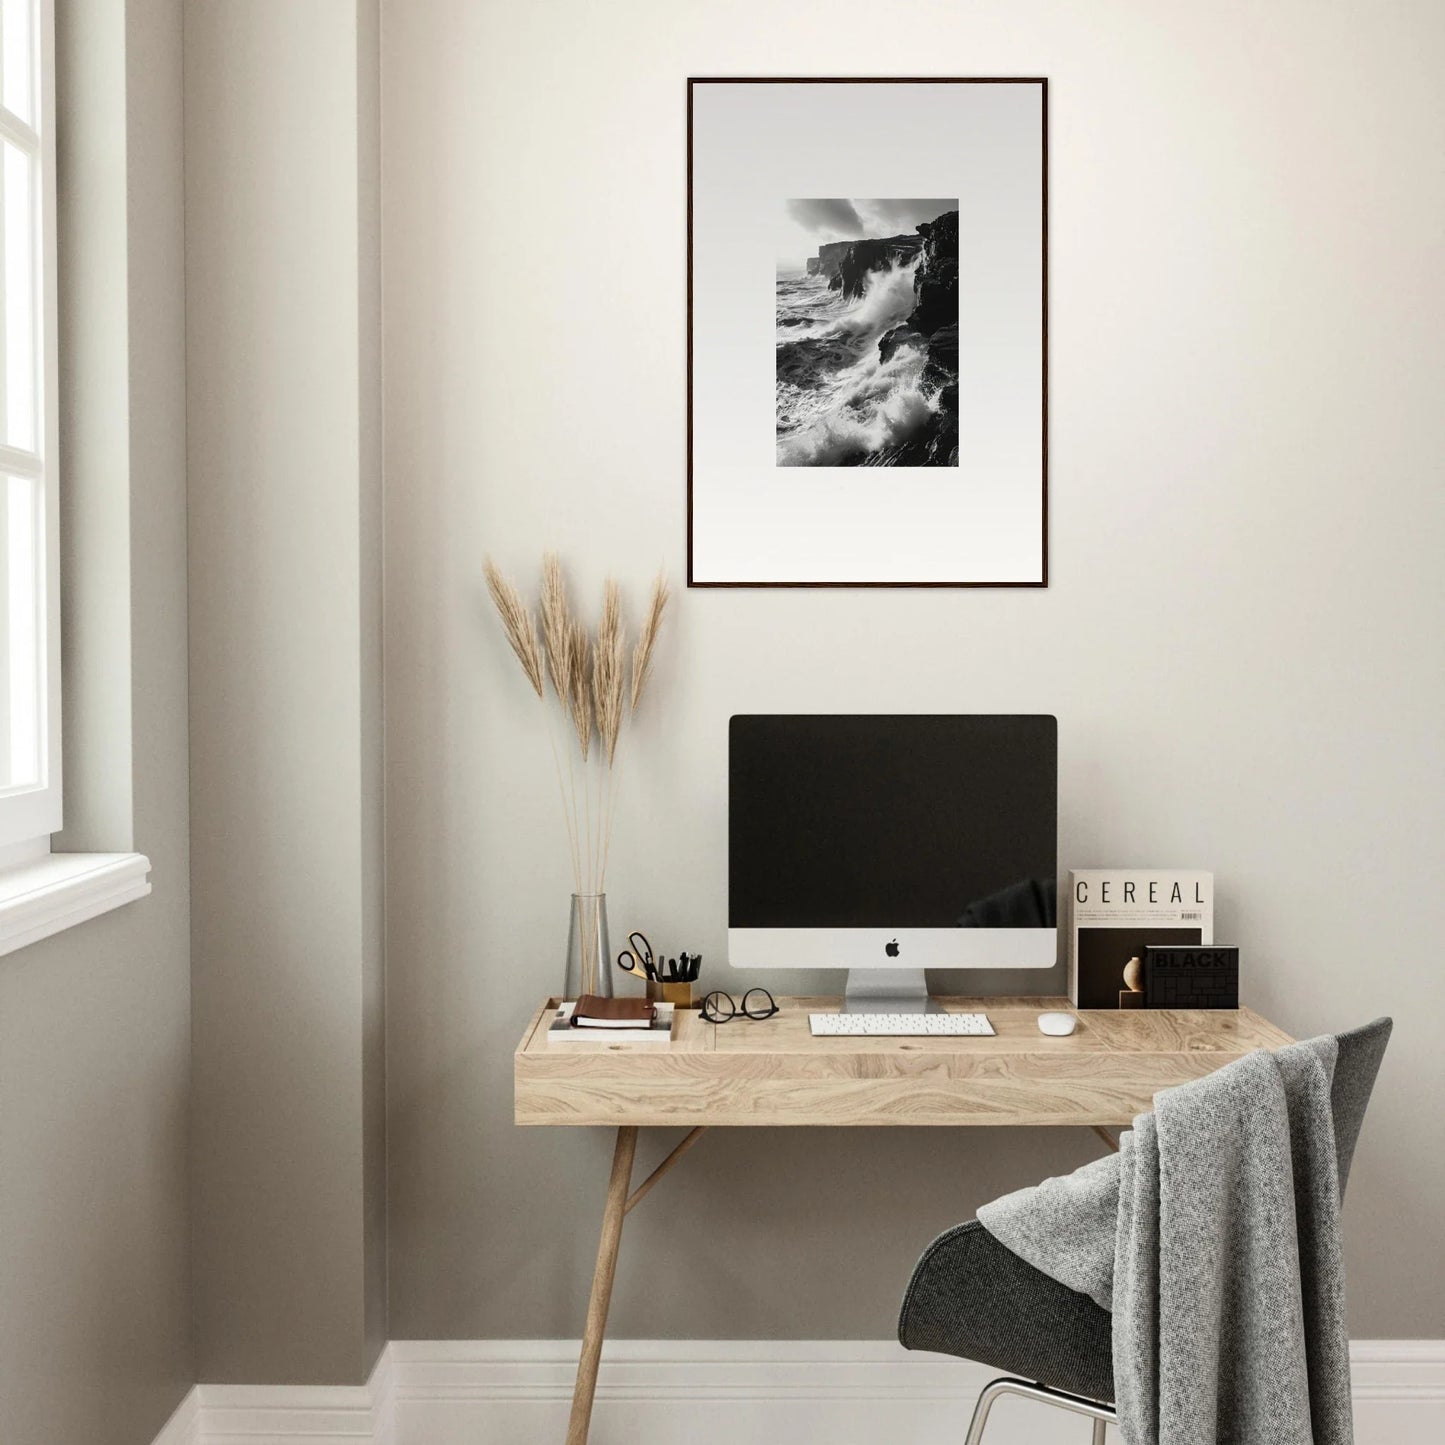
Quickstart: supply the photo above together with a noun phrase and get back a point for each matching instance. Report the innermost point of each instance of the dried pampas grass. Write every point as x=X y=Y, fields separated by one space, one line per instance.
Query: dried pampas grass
x=517 y=623
x=579 y=685
x=556 y=625
x=590 y=680
x=608 y=671
x=647 y=640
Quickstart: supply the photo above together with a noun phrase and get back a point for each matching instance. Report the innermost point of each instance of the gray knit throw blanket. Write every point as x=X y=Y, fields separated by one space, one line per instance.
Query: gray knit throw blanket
x=1214 y=1237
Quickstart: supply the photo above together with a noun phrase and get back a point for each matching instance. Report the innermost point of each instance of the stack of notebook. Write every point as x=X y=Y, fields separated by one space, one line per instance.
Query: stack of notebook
x=593 y=1020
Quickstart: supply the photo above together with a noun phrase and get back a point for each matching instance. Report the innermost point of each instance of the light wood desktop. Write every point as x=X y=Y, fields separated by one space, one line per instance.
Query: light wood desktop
x=774 y=1072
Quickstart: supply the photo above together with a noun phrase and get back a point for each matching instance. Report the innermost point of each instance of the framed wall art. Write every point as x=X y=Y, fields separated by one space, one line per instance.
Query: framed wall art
x=867 y=333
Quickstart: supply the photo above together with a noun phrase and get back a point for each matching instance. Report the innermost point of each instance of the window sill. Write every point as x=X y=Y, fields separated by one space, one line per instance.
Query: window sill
x=62 y=889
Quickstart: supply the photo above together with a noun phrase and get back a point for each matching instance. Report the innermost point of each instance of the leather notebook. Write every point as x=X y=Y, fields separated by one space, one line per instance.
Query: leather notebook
x=593 y=1012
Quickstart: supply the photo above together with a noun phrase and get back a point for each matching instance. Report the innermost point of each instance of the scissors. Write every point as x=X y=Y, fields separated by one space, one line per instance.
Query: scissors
x=637 y=957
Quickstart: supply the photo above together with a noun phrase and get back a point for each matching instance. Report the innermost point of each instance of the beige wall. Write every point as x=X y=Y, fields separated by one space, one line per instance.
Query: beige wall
x=1241 y=641
x=285 y=571
x=95 y=1344
x=369 y=678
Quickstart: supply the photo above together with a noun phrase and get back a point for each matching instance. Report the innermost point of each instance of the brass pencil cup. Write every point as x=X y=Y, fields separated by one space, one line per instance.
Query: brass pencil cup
x=677 y=994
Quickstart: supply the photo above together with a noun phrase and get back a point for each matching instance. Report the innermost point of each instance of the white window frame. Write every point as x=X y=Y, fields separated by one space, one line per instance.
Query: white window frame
x=30 y=814
x=42 y=892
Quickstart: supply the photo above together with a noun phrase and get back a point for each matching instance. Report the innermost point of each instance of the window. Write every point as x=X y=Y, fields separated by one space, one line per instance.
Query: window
x=30 y=808
x=41 y=892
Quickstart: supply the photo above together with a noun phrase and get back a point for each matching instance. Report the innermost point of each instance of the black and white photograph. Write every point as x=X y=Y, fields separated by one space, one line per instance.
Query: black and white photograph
x=867 y=346
x=866 y=294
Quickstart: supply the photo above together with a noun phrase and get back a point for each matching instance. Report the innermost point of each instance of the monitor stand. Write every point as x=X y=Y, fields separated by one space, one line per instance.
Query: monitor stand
x=887 y=991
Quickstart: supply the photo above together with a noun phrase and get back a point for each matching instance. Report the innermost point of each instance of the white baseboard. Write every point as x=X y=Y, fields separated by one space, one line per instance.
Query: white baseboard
x=184 y=1427
x=288 y=1414
x=300 y=1414
x=714 y=1392
x=1399 y=1391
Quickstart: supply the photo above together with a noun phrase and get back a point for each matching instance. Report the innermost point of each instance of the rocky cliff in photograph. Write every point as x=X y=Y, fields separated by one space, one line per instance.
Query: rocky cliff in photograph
x=867 y=352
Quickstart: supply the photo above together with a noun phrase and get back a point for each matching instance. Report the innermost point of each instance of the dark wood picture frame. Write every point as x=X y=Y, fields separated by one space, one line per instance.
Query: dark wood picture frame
x=1042 y=82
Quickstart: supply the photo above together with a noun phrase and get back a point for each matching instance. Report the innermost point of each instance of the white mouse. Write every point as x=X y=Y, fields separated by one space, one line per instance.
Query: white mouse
x=1057 y=1024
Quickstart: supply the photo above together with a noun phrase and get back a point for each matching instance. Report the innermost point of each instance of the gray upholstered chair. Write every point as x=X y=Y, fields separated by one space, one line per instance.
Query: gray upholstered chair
x=972 y=1297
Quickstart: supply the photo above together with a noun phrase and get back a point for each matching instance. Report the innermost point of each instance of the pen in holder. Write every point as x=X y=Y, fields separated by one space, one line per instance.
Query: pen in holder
x=675 y=979
x=668 y=980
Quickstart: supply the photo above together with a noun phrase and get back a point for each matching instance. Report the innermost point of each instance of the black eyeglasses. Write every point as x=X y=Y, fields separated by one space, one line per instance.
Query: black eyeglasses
x=719 y=1008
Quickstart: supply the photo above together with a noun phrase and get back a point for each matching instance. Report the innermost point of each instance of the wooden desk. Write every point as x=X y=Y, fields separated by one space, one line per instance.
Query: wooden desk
x=772 y=1072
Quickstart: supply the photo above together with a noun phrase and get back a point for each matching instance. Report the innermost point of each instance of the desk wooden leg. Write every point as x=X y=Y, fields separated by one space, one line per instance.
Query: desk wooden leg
x=601 y=1297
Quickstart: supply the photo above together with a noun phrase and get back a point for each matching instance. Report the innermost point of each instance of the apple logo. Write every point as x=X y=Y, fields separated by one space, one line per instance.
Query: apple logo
x=891 y=949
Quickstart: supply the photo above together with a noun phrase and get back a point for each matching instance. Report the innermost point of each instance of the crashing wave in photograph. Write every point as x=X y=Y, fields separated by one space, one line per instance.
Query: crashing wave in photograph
x=867 y=334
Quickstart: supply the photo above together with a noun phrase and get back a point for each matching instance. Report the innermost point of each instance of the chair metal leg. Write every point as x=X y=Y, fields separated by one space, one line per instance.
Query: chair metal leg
x=980 y=1411
x=1102 y=1415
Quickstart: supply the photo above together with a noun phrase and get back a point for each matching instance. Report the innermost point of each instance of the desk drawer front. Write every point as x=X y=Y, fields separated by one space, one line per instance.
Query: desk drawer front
x=906 y=1086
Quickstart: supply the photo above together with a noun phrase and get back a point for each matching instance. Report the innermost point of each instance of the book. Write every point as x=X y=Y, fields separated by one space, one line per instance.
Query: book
x=562 y=1030
x=1191 y=975
x=1115 y=913
x=594 y=1012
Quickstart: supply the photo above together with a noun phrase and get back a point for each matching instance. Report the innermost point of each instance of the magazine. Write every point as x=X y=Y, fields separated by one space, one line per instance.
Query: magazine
x=1115 y=912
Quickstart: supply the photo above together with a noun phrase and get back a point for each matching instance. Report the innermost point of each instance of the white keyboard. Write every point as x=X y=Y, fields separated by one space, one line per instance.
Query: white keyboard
x=899 y=1026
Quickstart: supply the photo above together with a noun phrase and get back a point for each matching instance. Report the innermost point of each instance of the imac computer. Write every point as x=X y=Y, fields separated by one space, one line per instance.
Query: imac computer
x=890 y=844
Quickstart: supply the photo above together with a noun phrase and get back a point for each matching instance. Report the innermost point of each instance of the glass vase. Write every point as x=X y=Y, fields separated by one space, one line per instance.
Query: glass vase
x=589 y=955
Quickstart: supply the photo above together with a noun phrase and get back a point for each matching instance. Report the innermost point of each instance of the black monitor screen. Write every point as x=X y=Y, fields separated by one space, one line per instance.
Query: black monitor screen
x=892 y=822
